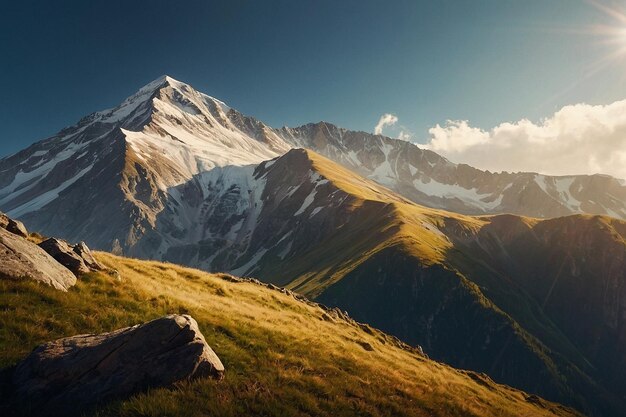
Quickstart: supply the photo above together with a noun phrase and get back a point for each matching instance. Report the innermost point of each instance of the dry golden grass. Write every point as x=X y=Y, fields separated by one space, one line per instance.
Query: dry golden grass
x=381 y=219
x=282 y=356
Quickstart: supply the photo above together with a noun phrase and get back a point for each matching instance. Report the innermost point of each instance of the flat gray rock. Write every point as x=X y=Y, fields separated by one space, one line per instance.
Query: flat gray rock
x=71 y=375
x=22 y=259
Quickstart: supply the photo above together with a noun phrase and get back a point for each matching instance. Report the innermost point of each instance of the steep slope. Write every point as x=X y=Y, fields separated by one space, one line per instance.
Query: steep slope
x=176 y=175
x=575 y=269
x=283 y=355
x=114 y=168
x=105 y=178
x=430 y=277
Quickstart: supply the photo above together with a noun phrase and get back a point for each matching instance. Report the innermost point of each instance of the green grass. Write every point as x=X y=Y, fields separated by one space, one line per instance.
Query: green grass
x=282 y=356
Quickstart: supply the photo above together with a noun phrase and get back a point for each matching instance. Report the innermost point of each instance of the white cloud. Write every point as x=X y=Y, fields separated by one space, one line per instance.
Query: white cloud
x=578 y=139
x=386 y=119
x=404 y=135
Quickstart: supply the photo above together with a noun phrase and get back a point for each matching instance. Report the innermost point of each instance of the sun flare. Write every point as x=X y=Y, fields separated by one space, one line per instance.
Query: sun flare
x=612 y=34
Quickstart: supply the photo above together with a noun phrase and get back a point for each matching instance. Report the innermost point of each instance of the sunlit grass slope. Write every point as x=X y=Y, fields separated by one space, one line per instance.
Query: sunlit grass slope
x=377 y=220
x=283 y=356
x=448 y=282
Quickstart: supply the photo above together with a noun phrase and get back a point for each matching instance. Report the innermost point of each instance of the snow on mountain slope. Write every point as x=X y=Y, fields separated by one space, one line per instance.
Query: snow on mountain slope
x=236 y=218
x=113 y=169
x=192 y=129
x=165 y=119
x=119 y=169
x=429 y=179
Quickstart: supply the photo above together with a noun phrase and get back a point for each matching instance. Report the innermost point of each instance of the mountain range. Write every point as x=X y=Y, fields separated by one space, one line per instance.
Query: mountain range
x=518 y=275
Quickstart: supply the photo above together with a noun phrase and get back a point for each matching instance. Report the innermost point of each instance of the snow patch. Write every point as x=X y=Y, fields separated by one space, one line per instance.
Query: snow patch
x=563 y=187
x=470 y=196
x=540 y=180
x=285 y=251
x=315 y=211
x=353 y=158
x=17 y=188
x=47 y=197
x=307 y=202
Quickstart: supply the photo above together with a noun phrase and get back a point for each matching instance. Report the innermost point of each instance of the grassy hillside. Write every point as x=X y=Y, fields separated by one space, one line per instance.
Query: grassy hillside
x=283 y=356
x=413 y=271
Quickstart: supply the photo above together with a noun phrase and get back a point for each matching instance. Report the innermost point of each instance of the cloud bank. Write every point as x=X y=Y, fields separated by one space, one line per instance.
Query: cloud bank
x=578 y=139
x=386 y=119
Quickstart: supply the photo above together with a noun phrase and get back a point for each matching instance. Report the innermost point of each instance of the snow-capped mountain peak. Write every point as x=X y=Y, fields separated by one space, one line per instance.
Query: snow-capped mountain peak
x=167 y=134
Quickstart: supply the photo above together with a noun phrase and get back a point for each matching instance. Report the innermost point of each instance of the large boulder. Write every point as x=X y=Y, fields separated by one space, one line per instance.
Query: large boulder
x=68 y=376
x=83 y=251
x=13 y=226
x=22 y=259
x=64 y=253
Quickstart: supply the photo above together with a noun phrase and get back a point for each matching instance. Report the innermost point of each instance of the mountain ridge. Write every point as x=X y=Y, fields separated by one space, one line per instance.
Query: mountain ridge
x=183 y=179
x=195 y=132
x=327 y=227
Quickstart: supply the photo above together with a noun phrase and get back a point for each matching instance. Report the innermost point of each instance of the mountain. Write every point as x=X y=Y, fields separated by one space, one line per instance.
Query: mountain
x=175 y=175
x=431 y=180
x=106 y=178
x=524 y=300
x=283 y=354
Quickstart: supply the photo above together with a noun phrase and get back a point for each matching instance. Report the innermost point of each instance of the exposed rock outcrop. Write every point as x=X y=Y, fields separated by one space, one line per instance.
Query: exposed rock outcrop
x=22 y=259
x=70 y=375
x=83 y=251
x=77 y=258
x=14 y=226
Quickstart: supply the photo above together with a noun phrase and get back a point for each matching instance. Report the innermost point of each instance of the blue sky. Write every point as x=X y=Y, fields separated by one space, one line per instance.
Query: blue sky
x=292 y=62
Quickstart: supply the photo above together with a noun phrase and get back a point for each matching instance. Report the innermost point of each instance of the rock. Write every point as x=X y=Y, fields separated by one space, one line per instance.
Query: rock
x=17 y=227
x=65 y=255
x=115 y=274
x=365 y=345
x=77 y=258
x=83 y=251
x=21 y=259
x=419 y=350
x=70 y=375
x=13 y=226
